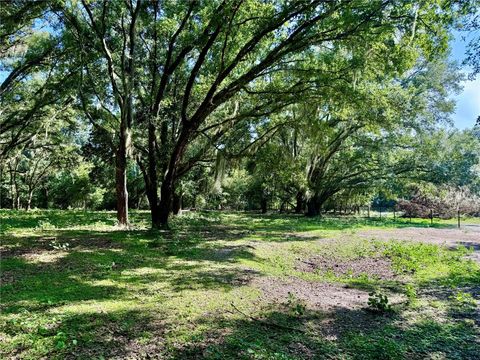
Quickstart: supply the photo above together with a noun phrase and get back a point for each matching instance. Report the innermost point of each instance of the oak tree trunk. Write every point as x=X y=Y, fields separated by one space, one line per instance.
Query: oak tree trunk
x=300 y=202
x=177 y=203
x=166 y=194
x=315 y=204
x=263 y=205
x=168 y=185
x=313 y=207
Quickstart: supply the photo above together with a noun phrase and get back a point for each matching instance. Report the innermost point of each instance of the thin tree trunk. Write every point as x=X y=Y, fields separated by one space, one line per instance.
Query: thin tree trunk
x=29 y=201
x=1 y=182
x=46 y=197
x=153 y=203
x=121 y=179
x=15 y=191
x=151 y=184
x=17 y=194
x=12 y=191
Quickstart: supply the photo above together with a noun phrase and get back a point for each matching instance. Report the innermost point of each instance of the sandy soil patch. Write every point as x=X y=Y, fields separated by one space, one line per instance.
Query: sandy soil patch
x=340 y=308
x=373 y=267
x=316 y=295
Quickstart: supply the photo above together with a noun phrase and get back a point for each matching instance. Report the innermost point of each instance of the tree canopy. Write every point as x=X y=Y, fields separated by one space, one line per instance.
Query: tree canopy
x=228 y=103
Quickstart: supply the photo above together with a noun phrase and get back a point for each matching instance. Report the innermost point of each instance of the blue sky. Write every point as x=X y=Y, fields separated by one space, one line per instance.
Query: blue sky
x=468 y=100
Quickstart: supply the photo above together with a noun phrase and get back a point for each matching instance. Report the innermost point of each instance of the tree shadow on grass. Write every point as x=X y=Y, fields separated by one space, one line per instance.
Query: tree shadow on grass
x=64 y=276
x=61 y=277
x=277 y=333
x=37 y=287
x=116 y=335
x=336 y=334
x=185 y=262
x=13 y=220
x=91 y=278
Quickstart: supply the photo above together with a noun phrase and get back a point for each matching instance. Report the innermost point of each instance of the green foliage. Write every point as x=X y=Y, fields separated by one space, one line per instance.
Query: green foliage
x=374 y=347
x=411 y=258
x=411 y=294
x=297 y=306
x=379 y=302
x=464 y=302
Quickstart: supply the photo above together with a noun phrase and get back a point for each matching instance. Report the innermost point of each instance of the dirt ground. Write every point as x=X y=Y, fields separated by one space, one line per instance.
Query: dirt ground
x=329 y=296
x=374 y=267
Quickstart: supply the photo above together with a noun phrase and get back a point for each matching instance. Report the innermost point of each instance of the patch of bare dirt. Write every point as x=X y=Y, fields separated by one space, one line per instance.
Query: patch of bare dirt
x=337 y=309
x=373 y=267
x=230 y=253
x=316 y=295
x=297 y=348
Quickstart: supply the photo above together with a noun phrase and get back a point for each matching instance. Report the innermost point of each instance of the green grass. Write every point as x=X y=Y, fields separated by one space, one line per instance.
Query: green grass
x=75 y=286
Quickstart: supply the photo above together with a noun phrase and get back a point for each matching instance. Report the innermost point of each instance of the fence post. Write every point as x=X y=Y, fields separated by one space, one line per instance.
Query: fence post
x=458 y=218
x=431 y=216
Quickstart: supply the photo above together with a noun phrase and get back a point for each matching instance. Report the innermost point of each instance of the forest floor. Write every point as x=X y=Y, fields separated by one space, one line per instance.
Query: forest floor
x=237 y=286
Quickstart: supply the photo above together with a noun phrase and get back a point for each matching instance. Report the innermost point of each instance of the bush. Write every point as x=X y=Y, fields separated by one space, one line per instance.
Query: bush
x=444 y=202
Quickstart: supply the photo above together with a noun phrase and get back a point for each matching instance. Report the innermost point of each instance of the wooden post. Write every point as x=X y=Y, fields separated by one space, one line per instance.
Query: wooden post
x=394 y=215
x=458 y=218
x=431 y=216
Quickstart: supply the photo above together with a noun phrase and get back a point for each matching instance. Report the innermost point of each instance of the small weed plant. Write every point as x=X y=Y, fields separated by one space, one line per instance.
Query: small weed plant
x=296 y=306
x=378 y=302
x=411 y=294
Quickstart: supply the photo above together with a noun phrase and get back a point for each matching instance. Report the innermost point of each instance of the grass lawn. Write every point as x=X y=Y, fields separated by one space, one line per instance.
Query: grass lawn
x=236 y=286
